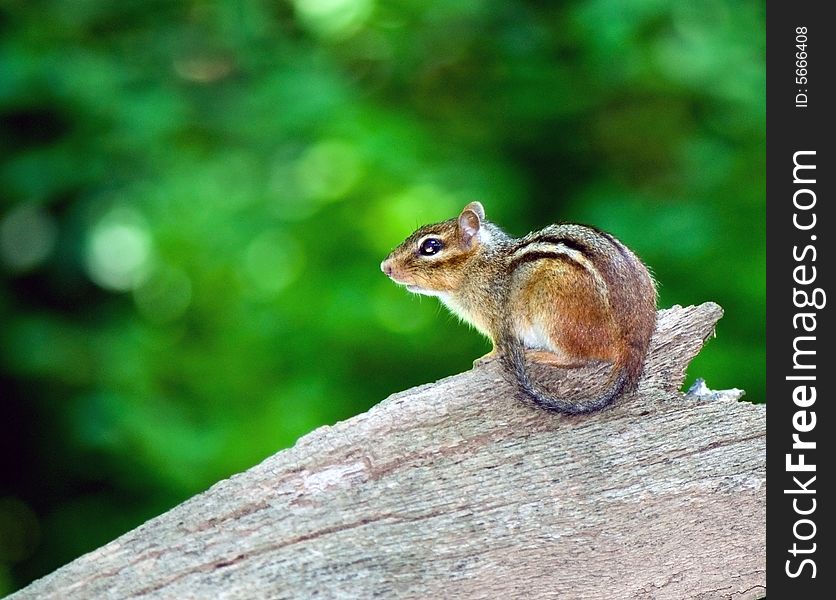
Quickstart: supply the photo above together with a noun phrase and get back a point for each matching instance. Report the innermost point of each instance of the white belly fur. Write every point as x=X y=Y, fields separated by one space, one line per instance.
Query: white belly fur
x=534 y=336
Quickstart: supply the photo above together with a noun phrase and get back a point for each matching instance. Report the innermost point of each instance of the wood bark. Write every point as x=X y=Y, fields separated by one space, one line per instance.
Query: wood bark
x=458 y=489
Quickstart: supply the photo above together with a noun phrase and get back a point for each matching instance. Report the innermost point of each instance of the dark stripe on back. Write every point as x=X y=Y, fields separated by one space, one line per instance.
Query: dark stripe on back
x=535 y=255
x=621 y=247
x=612 y=240
x=553 y=239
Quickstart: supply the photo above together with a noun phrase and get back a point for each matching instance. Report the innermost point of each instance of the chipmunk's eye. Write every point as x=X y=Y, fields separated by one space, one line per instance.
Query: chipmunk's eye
x=430 y=246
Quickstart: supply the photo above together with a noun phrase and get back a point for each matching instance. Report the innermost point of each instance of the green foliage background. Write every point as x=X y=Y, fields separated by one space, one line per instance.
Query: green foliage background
x=195 y=197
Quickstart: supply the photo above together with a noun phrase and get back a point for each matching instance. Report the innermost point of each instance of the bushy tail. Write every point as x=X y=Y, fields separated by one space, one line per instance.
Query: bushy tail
x=624 y=378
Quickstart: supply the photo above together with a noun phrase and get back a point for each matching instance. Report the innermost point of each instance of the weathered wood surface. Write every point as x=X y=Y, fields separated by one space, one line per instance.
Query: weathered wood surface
x=459 y=490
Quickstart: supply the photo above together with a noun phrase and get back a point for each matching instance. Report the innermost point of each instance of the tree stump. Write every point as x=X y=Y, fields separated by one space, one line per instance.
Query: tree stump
x=457 y=489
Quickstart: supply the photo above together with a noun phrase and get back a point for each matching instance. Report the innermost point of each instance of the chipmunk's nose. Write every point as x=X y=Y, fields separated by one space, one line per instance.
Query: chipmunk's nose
x=386 y=267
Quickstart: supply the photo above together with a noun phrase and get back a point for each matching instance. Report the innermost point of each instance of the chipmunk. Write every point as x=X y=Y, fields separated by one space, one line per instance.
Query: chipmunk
x=566 y=295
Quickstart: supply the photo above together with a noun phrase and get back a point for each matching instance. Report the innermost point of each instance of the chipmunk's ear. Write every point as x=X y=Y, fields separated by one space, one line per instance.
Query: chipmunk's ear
x=470 y=221
x=477 y=208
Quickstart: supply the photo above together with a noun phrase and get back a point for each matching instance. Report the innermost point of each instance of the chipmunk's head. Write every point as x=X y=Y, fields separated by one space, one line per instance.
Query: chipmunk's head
x=432 y=260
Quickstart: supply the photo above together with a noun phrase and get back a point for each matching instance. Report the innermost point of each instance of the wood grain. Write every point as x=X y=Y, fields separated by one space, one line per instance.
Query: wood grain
x=458 y=489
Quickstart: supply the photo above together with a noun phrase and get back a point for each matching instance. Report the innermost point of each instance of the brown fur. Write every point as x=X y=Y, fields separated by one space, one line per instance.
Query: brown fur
x=565 y=295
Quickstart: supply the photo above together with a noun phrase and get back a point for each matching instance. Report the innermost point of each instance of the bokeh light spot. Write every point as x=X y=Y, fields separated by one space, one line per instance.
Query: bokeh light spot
x=272 y=261
x=119 y=250
x=328 y=170
x=333 y=18
x=27 y=237
x=203 y=69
